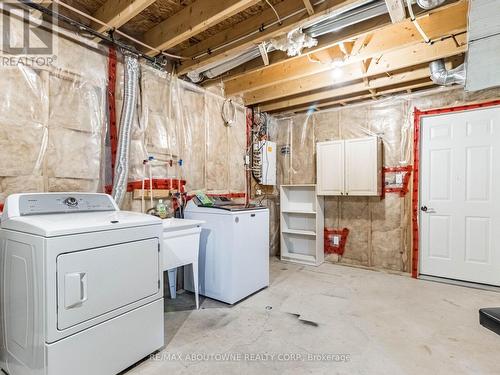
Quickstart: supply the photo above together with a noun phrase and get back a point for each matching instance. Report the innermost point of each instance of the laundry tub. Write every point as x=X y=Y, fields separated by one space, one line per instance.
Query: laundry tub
x=181 y=241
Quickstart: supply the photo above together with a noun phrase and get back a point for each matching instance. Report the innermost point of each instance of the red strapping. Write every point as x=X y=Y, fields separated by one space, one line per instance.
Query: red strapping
x=158 y=183
x=330 y=248
x=249 y=120
x=113 y=133
x=416 y=165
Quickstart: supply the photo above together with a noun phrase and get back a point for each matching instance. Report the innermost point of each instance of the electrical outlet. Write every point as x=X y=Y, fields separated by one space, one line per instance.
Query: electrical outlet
x=336 y=240
x=399 y=178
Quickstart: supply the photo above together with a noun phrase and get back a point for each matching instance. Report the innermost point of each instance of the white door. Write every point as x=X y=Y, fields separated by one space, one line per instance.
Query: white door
x=330 y=167
x=460 y=196
x=361 y=166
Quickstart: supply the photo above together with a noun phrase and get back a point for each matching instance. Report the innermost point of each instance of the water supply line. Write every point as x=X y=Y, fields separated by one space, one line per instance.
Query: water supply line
x=128 y=113
x=444 y=77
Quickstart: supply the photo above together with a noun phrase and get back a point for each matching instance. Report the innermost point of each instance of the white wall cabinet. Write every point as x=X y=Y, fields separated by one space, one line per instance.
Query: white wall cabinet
x=349 y=167
x=302 y=225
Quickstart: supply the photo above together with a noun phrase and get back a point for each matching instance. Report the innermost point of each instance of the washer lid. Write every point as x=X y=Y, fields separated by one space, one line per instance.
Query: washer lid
x=52 y=225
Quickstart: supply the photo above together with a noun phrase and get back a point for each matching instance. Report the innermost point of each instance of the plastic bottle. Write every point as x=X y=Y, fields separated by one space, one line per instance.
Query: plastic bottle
x=161 y=209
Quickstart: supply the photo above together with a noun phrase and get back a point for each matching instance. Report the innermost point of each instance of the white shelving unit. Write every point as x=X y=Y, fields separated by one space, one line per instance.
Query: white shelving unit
x=302 y=224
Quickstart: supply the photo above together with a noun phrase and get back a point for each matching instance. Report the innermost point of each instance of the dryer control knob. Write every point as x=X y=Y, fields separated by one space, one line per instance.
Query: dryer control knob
x=71 y=202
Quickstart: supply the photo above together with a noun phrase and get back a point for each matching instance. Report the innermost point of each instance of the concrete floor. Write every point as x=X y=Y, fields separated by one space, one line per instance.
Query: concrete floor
x=382 y=323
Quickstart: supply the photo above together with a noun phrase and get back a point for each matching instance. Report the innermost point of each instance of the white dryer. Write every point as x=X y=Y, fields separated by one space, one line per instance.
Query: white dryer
x=81 y=285
x=233 y=262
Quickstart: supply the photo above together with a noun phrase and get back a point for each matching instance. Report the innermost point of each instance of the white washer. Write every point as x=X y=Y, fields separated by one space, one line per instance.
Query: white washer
x=234 y=250
x=81 y=285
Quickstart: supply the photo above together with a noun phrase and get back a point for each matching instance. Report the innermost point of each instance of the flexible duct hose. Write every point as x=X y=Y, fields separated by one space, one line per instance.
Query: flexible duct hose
x=444 y=77
x=126 y=120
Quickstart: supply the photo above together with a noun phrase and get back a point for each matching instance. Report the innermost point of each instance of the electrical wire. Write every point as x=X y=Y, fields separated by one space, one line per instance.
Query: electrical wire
x=228 y=122
x=116 y=31
x=275 y=12
x=417 y=25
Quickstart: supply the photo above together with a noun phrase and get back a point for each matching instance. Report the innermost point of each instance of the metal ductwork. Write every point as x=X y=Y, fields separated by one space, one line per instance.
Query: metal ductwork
x=333 y=22
x=362 y=13
x=130 y=94
x=446 y=77
x=220 y=67
x=429 y=4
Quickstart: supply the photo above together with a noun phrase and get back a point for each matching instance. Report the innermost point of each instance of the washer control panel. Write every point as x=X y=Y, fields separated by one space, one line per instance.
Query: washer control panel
x=50 y=203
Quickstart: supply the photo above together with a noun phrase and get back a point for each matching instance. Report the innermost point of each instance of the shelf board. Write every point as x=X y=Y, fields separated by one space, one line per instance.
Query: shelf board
x=299 y=258
x=299 y=186
x=300 y=232
x=298 y=212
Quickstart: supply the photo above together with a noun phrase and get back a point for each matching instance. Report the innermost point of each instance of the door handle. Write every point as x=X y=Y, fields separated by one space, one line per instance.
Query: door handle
x=75 y=289
x=428 y=210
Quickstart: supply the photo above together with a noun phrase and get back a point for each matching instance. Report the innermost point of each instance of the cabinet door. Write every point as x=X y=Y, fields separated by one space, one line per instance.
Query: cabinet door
x=330 y=167
x=362 y=166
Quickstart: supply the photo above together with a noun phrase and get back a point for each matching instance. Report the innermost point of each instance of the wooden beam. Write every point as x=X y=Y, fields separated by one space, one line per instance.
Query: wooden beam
x=371 y=86
x=418 y=84
x=118 y=12
x=398 y=59
x=309 y=7
x=396 y=10
x=291 y=70
x=192 y=20
x=247 y=33
x=440 y=23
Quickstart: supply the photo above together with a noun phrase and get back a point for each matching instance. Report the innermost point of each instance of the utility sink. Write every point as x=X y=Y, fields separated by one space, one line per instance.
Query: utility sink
x=181 y=243
x=174 y=224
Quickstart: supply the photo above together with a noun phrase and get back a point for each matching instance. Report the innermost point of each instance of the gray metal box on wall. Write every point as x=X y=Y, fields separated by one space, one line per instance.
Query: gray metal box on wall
x=483 y=57
x=483 y=64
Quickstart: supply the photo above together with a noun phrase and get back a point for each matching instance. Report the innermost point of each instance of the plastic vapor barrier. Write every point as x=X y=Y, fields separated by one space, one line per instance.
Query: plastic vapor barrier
x=379 y=229
x=52 y=121
x=54 y=131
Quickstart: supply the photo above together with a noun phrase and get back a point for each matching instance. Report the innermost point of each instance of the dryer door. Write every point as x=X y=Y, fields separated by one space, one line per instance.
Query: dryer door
x=96 y=281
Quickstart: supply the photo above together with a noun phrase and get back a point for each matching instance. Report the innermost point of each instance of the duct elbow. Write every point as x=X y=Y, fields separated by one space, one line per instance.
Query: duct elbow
x=446 y=77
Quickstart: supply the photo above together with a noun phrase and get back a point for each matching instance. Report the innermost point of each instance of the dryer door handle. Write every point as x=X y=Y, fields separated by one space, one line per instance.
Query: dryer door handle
x=75 y=289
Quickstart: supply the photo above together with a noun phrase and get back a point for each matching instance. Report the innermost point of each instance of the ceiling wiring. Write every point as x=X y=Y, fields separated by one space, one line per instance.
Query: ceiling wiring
x=116 y=31
x=275 y=12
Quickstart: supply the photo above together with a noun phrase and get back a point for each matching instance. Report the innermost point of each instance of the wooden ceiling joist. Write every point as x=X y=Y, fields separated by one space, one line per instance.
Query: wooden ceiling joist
x=116 y=13
x=192 y=20
x=309 y=7
x=373 y=85
x=442 y=22
x=247 y=34
x=424 y=83
x=395 y=60
x=396 y=10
